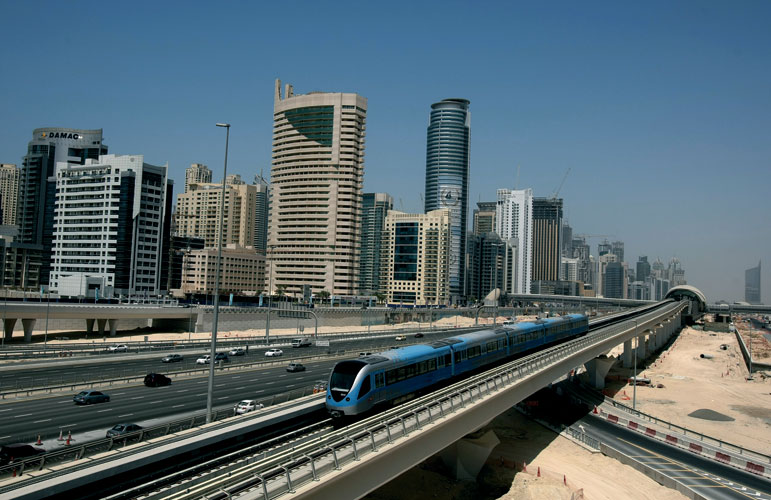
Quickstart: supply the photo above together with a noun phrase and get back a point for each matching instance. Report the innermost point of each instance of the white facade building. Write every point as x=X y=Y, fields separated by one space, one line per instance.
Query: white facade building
x=514 y=219
x=110 y=227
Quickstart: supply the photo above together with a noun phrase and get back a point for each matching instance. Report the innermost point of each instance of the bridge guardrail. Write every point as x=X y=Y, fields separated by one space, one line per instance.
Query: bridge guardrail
x=285 y=472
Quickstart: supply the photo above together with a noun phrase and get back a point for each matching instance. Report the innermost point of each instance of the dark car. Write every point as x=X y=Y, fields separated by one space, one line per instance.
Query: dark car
x=90 y=397
x=418 y=335
x=122 y=430
x=156 y=380
x=172 y=358
x=11 y=452
x=221 y=356
x=295 y=367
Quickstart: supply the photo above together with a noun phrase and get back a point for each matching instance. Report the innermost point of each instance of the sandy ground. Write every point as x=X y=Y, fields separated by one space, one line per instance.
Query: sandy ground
x=692 y=383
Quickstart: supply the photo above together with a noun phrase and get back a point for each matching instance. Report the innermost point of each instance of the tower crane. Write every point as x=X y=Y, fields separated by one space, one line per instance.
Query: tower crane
x=559 y=188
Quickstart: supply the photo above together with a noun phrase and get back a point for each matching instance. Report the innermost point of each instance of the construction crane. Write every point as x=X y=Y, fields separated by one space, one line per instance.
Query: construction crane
x=587 y=236
x=559 y=188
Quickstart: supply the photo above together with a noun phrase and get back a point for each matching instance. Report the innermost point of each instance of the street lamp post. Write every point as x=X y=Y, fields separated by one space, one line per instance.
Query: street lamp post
x=634 y=379
x=210 y=393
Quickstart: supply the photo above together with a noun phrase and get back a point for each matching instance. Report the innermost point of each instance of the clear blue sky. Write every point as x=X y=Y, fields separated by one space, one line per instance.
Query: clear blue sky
x=662 y=109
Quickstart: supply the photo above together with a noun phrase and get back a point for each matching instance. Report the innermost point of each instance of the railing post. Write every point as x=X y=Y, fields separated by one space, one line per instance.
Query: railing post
x=264 y=486
x=288 y=479
x=334 y=458
x=372 y=439
x=388 y=432
x=313 y=467
x=355 y=451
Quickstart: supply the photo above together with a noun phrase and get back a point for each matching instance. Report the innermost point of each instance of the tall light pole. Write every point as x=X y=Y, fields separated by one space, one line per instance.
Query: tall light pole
x=634 y=379
x=210 y=394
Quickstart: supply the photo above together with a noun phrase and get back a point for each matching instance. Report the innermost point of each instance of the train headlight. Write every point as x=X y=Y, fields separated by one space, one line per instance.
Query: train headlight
x=347 y=399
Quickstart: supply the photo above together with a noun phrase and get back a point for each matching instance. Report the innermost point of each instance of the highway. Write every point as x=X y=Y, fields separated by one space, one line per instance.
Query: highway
x=708 y=478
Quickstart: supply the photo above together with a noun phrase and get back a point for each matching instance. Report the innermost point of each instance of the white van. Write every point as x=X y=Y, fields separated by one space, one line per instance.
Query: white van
x=301 y=343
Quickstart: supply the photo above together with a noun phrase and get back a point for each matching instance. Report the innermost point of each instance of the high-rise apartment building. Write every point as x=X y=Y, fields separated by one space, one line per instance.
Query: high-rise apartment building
x=9 y=193
x=37 y=186
x=196 y=173
x=111 y=227
x=375 y=209
x=261 y=214
x=447 y=177
x=317 y=176
x=614 y=284
x=484 y=217
x=416 y=249
x=492 y=262
x=198 y=212
x=547 y=228
x=752 y=285
x=567 y=240
x=617 y=249
x=643 y=268
x=514 y=220
x=243 y=270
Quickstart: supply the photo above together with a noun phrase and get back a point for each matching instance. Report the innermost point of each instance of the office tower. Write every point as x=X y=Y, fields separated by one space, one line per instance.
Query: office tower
x=243 y=270
x=617 y=249
x=657 y=269
x=569 y=269
x=447 y=176
x=582 y=252
x=37 y=186
x=198 y=212
x=675 y=273
x=375 y=209
x=317 y=175
x=567 y=240
x=643 y=269
x=484 y=217
x=489 y=263
x=603 y=248
x=120 y=251
x=752 y=285
x=514 y=220
x=547 y=226
x=600 y=265
x=9 y=193
x=639 y=290
x=416 y=249
x=234 y=180
x=613 y=281
x=261 y=214
x=196 y=173
x=179 y=247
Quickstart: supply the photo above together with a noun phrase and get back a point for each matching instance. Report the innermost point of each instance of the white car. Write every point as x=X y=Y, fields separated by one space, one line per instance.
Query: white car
x=401 y=337
x=118 y=348
x=246 y=406
x=273 y=352
x=203 y=360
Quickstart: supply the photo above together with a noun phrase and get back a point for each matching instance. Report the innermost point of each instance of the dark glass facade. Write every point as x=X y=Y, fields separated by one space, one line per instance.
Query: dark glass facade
x=447 y=173
x=375 y=208
x=406 y=251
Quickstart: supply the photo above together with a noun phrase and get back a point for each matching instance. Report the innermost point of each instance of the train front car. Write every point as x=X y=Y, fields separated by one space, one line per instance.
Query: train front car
x=348 y=383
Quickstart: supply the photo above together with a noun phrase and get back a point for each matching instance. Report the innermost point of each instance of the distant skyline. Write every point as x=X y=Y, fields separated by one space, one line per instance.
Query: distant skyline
x=661 y=110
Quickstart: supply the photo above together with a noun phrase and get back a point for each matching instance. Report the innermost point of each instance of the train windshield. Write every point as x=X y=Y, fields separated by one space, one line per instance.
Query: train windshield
x=342 y=378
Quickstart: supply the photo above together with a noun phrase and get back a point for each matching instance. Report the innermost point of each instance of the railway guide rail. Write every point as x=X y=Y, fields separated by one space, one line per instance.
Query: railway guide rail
x=388 y=443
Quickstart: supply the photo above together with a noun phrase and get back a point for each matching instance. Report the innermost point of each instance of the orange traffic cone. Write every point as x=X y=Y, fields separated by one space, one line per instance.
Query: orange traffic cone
x=60 y=436
x=539 y=471
x=595 y=410
x=14 y=472
x=69 y=438
x=38 y=442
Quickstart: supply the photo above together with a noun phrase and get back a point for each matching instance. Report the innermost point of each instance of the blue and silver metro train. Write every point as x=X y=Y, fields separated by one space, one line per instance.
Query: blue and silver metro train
x=397 y=375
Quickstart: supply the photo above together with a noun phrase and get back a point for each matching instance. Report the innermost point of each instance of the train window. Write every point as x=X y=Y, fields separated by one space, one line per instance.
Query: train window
x=473 y=352
x=392 y=376
x=440 y=362
x=412 y=370
x=501 y=343
x=491 y=346
x=379 y=380
x=402 y=373
x=431 y=364
x=447 y=359
x=460 y=356
x=365 y=386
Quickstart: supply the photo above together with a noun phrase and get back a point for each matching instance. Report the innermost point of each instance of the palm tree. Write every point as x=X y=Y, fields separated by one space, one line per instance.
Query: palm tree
x=323 y=295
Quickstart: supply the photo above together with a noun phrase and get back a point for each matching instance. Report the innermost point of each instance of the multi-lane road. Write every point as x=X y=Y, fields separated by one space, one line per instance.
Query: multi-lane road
x=22 y=420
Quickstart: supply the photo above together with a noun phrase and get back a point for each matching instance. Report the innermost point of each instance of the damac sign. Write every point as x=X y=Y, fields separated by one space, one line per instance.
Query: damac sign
x=61 y=135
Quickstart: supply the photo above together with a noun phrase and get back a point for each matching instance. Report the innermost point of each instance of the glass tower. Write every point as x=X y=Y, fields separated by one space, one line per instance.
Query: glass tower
x=447 y=171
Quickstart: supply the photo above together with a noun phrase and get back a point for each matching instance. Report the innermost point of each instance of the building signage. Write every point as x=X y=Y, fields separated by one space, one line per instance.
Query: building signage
x=62 y=135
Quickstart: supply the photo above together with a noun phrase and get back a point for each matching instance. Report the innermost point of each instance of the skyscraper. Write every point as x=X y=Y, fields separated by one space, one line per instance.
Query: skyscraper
x=643 y=268
x=317 y=175
x=752 y=285
x=122 y=250
x=547 y=225
x=447 y=173
x=196 y=173
x=484 y=217
x=617 y=249
x=261 y=215
x=376 y=207
x=9 y=193
x=37 y=189
x=514 y=220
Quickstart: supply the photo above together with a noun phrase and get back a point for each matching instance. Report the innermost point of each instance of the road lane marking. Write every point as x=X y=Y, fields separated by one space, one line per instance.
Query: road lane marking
x=25 y=415
x=240 y=388
x=178 y=406
x=126 y=415
x=224 y=397
x=269 y=383
x=118 y=393
x=184 y=390
x=9 y=409
x=3 y=437
x=155 y=402
x=102 y=411
x=138 y=397
x=68 y=425
x=219 y=385
x=40 y=421
x=237 y=376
